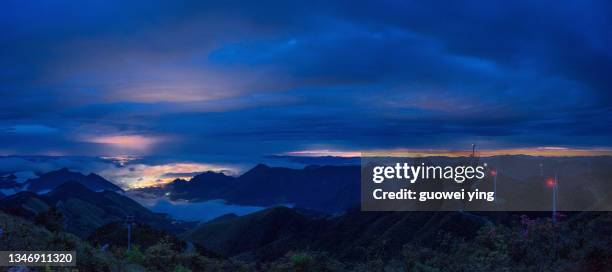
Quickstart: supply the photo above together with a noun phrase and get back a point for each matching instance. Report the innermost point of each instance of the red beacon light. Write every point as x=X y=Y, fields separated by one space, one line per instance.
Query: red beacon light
x=550 y=182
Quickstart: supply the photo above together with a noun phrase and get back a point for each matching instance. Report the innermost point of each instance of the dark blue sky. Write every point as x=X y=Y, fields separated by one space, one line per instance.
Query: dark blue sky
x=252 y=78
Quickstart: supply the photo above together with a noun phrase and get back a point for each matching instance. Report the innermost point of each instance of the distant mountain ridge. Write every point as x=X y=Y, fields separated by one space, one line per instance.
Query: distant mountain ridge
x=50 y=180
x=322 y=188
x=333 y=189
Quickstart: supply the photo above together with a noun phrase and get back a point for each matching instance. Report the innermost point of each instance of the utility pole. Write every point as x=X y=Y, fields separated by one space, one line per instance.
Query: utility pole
x=129 y=221
x=473 y=150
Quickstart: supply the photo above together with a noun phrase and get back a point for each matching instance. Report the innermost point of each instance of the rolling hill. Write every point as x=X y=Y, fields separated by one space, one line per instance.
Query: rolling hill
x=50 y=180
x=85 y=210
x=271 y=233
x=231 y=236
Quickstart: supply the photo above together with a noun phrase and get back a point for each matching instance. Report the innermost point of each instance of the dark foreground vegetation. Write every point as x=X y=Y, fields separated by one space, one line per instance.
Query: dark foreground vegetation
x=581 y=242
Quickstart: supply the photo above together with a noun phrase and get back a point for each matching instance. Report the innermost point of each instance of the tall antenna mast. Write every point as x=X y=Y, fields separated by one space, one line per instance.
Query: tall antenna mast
x=555 y=199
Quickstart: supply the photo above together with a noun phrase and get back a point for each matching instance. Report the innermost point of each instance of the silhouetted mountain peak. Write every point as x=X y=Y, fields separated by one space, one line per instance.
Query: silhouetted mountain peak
x=209 y=175
x=71 y=184
x=257 y=170
x=179 y=180
x=50 y=180
x=61 y=171
x=207 y=179
x=70 y=188
x=261 y=166
x=205 y=185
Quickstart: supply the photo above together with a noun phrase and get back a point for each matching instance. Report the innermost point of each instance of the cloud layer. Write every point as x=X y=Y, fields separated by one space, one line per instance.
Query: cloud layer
x=254 y=78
